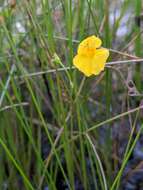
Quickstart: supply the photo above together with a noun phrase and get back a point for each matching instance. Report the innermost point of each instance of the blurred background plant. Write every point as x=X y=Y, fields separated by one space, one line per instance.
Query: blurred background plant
x=58 y=129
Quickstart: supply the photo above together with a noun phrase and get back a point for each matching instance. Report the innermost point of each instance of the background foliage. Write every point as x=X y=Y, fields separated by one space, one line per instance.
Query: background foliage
x=58 y=129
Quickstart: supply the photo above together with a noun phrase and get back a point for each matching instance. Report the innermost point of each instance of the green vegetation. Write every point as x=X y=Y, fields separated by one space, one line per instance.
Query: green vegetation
x=59 y=129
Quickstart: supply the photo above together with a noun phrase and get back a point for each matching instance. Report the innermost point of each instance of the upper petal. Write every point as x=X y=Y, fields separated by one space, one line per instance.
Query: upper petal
x=89 y=45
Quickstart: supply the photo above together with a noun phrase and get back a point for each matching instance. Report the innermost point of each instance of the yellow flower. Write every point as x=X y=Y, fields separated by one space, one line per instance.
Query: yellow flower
x=90 y=58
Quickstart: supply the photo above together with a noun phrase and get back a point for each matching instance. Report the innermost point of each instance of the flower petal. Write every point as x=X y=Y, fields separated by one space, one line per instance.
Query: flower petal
x=83 y=63
x=89 y=45
x=99 y=60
